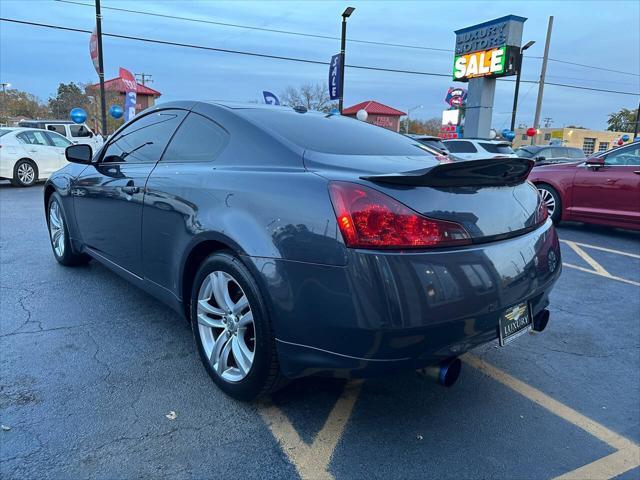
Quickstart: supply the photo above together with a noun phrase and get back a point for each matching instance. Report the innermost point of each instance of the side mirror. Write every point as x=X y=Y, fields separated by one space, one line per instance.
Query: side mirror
x=80 y=153
x=595 y=163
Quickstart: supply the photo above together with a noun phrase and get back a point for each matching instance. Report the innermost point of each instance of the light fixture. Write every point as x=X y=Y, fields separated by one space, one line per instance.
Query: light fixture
x=348 y=11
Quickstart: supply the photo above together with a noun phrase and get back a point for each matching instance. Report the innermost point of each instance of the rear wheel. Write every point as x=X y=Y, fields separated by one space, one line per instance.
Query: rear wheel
x=232 y=328
x=59 y=235
x=551 y=199
x=25 y=173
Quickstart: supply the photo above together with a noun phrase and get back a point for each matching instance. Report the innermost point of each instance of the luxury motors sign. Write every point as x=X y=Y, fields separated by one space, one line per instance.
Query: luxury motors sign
x=489 y=49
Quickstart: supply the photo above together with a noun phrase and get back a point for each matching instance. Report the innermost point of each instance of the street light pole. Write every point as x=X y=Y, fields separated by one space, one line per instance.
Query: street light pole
x=103 y=100
x=635 y=128
x=343 y=43
x=517 y=91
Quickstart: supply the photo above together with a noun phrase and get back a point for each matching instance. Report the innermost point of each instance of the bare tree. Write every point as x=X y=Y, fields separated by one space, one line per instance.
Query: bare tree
x=311 y=96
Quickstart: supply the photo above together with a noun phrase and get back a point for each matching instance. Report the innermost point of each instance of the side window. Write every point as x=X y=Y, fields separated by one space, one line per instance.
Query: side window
x=145 y=139
x=57 y=128
x=79 y=131
x=625 y=156
x=560 y=152
x=576 y=153
x=461 y=147
x=197 y=140
x=34 y=138
x=58 y=140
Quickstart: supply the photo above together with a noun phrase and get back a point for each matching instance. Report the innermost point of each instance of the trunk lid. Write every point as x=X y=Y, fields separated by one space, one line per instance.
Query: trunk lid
x=490 y=198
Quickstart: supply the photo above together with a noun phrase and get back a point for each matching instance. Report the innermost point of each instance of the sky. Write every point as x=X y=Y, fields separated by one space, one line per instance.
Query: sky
x=598 y=33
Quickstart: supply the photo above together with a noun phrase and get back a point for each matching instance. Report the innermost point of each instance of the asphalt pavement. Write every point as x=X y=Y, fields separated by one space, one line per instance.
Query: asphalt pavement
x=99 y=380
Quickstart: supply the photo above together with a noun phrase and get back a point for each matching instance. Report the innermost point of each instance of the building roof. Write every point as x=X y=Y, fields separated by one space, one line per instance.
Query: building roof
x=373 y=107
x=117 y=85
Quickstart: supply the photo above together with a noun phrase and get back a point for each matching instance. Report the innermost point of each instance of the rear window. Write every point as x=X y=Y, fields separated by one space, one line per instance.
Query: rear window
x=333 y=133
x=501 y=148
x=461 y=147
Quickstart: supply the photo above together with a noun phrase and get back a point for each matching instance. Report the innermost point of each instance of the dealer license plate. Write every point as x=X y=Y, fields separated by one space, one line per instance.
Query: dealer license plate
x=514 y=322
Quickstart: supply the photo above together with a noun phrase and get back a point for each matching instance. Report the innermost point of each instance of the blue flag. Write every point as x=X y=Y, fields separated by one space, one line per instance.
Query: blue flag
x=335 y=86
x=270 y=98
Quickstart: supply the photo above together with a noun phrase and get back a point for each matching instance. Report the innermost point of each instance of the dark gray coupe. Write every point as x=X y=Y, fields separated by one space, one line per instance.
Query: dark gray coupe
x=300 y=243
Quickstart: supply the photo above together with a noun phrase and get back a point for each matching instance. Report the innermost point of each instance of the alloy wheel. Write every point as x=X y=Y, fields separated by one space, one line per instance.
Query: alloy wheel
x=548 y=199
x=226 y=326
x=56 y=228
x=26 y=173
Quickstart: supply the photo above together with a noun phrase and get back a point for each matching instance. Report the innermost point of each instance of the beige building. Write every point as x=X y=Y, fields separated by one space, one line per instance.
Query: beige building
x=588 y=140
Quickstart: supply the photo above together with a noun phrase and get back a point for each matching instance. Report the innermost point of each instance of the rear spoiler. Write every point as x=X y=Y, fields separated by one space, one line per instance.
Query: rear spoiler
x=492 y=172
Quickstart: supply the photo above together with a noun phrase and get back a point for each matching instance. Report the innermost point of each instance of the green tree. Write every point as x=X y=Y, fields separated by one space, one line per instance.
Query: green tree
x=311 y=96
x=16 y=103
x=622 y=121
x=421 y=127
x=68 y=96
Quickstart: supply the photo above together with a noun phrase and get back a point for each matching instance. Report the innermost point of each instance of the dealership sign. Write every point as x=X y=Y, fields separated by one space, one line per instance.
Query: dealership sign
x=489 y=49
x=335 y=70
x=456 y=97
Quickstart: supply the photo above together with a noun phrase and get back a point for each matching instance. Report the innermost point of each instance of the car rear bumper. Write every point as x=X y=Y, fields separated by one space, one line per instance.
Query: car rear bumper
x=387 y=310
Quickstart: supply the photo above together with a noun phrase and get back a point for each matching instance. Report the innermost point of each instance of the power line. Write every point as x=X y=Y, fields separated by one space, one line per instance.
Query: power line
x=279 y=57
x=325 y=37
x=250 y=27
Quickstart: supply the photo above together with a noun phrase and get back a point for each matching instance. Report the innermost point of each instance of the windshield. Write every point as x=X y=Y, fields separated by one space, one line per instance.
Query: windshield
x=3 y=131
x=333 y=133
x=525 y=153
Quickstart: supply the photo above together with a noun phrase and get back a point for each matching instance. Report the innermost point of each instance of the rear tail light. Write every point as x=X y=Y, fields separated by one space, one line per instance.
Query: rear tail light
x=542 y=213
x=370 y=219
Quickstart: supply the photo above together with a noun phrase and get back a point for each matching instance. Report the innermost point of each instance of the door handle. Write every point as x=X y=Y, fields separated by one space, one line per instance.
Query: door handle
x=130 y=189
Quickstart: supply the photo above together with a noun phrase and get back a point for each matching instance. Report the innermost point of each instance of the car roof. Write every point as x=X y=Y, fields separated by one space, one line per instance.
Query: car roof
x=483 y=140
x=419 y=136
x=66 y=122
x=28 y=129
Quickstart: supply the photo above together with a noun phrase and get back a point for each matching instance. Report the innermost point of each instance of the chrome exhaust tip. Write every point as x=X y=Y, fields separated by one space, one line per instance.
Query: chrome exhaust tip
x=540 y=321
x=446 y=373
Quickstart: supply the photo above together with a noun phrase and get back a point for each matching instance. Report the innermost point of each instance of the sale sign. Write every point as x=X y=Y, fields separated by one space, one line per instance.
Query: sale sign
x=131 y=88
x=93 y=50
x=488 y=63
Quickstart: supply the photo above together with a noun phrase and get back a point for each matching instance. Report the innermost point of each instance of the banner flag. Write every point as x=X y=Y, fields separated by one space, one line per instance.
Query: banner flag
x=334 y=77
x=270 y=98
x=131 y=87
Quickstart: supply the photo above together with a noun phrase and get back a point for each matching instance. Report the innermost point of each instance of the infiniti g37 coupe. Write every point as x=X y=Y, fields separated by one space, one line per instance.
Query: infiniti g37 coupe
x=300 y=243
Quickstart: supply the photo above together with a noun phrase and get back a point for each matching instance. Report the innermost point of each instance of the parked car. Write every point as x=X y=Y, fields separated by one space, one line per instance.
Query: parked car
x=546 y=154
x=474 y=149
x=603 y=190
x=300 y=243
x=28 y=155
x=74 y=132
x=434 y=145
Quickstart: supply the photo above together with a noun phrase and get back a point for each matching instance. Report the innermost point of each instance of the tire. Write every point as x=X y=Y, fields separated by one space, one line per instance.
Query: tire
x=552 y=199
x=59 y=235
x=237 y=348
x=25 y=173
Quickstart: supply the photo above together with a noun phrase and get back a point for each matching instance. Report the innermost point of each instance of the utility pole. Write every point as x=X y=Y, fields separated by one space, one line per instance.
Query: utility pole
x=635 y=128
x=144 y=78
x=103 y=100
x=547 y=121
x=543 y=74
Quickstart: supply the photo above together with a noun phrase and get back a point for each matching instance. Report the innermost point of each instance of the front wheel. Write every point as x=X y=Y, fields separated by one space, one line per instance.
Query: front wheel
x=59 y=235
x=232 y=328
x=551 y=199
x=25 y=173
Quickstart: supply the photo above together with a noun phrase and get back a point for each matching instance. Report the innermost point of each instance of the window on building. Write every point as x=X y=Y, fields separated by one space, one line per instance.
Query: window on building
x=603 y=146
x=524 y=136
x=588 y=145
x=547 y=137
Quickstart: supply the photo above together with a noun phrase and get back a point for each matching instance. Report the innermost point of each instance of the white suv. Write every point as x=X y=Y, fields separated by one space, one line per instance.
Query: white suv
x=75 y=132
x=476 y=149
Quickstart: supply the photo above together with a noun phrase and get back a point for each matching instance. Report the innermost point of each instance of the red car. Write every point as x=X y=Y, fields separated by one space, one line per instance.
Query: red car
x=603 y=190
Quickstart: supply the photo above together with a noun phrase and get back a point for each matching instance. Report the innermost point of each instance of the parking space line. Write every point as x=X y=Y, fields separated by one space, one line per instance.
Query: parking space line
x=312 y=461
x=610 y=277
x=587 y=258
x=606 y=467
x=626 y=458
x=610 y=250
